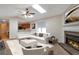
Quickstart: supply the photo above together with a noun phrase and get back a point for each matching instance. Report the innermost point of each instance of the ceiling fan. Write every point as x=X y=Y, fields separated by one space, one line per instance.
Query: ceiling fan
x=27 y=13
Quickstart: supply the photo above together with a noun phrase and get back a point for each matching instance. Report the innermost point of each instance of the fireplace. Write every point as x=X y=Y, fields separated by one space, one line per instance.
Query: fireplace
x=72 y=39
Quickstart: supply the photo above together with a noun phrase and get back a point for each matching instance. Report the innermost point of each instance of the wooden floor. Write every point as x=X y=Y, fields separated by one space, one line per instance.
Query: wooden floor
x=58 y=50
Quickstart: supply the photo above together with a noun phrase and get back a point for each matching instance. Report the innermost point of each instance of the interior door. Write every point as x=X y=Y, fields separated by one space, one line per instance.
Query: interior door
x=4 y=28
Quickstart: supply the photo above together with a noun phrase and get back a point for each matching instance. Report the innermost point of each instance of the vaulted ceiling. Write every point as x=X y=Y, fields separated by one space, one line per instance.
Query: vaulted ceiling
x=11 y=10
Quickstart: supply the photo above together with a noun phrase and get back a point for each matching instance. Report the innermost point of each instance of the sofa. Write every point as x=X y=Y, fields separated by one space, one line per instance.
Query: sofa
x=41 y=37
x=33 y=51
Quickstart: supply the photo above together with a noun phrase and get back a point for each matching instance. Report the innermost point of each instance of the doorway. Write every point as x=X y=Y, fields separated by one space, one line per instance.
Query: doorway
x=4 y=30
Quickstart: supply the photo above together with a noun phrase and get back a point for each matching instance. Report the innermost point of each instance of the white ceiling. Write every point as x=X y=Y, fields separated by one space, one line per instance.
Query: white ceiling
x=11 y=10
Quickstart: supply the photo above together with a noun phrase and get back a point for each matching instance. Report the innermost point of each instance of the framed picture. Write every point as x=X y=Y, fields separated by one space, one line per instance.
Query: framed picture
x=33 y=26
x=23 y=26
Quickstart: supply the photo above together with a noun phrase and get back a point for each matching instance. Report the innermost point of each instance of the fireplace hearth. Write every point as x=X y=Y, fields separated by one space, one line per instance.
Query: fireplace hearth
x=72 y=39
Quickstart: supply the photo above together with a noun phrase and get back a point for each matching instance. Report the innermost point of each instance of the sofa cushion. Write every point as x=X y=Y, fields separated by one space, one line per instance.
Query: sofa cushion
x=41 y=34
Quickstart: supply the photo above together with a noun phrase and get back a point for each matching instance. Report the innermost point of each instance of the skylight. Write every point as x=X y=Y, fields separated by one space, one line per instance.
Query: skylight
x=39 y=8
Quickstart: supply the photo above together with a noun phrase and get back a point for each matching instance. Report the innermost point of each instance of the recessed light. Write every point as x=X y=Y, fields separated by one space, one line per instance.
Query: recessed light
x=39 y=8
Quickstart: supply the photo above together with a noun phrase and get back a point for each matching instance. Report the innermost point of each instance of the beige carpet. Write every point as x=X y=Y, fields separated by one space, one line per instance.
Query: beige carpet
x=58 y=50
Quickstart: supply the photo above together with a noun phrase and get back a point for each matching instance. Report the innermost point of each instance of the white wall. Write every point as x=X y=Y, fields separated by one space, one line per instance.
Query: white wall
x=13 y=28
x=72 y=28
x=55 y=26
x=42 y=26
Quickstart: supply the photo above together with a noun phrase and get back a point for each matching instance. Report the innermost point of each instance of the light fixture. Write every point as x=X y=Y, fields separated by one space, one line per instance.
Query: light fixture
x=28 y=16
x=39 y=8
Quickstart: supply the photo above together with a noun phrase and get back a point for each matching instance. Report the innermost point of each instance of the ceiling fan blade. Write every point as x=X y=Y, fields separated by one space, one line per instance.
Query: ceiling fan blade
x=27 y=12
x=26 y=8
x=19 y=11
x=31 y=13
x=23 y=14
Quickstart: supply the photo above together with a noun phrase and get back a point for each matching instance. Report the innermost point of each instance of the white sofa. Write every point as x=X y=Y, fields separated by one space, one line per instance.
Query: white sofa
x=37 y=51
x=33 y=51
x=27 y=42
x=18 y=49
x=36 y=37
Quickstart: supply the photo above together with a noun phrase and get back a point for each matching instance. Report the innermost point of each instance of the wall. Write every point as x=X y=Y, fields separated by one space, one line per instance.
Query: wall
x=41 y=26
x=55 y=27
x=72 y=28
x=13 y=28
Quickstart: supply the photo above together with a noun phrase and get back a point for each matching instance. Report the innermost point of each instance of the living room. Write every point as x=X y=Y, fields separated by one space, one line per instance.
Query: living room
x=26 y=28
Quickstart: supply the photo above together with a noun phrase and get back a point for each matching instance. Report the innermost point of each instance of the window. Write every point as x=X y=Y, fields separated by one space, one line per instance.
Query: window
x=41 y=27
x=44 y=30
x=39 y=30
